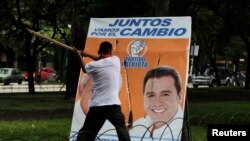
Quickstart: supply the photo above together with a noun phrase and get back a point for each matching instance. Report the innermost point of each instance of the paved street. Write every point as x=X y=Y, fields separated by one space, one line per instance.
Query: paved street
x=190 y=85
x=14 y=87
x=44 y=87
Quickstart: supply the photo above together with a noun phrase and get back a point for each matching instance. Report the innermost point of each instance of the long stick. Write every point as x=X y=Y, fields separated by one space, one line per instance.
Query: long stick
x=51 y=40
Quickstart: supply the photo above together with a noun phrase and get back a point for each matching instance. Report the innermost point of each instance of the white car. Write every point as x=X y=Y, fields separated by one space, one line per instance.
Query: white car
x=10 y=75
x=203 y=80
x=208 y=78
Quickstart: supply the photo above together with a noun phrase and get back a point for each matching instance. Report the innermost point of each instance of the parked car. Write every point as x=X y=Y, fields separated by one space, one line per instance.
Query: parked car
x=46 y=73
x=25 y=75
x=208 y=77
x=9 y=75
x=240 y=79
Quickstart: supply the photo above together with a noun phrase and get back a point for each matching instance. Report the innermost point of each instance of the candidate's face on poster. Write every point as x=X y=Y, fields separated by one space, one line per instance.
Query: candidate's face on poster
x=161 y=100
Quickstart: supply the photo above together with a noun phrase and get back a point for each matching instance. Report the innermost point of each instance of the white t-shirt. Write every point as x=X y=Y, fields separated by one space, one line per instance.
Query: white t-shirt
x=106 y=78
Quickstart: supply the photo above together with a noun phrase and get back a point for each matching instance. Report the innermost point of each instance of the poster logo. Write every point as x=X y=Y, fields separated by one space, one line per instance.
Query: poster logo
x=136 y=49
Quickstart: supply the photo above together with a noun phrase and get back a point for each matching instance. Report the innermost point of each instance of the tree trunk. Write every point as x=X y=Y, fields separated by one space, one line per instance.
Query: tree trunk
x=73 y=67
x=30 y=64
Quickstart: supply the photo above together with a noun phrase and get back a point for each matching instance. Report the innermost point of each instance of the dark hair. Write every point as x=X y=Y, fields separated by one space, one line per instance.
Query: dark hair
x=105 y=47
x=163 y=71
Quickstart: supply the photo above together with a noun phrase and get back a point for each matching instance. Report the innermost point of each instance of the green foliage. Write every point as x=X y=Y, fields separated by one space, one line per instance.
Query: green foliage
x=215 y=24
x=47 y=16
x=235 y=49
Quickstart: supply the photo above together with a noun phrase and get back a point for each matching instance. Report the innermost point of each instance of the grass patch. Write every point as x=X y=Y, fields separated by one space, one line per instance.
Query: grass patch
x=34 y=102
x=205 y=106
x=198 y=108
x=228 y=105
x=218 y=94
x=34 y=130
x=198 y=133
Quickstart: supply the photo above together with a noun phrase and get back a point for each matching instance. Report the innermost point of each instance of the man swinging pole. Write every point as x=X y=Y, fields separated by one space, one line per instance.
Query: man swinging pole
x=105 y=102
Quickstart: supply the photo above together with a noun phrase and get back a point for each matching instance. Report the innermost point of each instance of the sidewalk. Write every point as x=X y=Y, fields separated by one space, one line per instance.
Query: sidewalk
x=13 y=88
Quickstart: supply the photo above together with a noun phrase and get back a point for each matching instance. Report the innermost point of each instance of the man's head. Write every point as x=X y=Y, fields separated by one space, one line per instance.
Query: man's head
x=162 y=93
x=136 y=47
x=105 y=48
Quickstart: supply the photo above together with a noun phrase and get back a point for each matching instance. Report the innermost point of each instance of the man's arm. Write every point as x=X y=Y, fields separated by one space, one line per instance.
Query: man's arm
x=81 y=61
x=94 y=57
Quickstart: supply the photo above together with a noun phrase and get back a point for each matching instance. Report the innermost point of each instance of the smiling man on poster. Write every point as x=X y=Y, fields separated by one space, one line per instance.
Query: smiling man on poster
x=162 y=95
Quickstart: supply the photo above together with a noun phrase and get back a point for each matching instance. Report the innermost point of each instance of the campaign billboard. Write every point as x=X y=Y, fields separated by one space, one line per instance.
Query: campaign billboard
x=153 y=108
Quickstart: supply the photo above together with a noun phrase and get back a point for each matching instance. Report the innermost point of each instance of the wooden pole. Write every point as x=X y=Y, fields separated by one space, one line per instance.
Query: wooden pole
x=51 y=40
